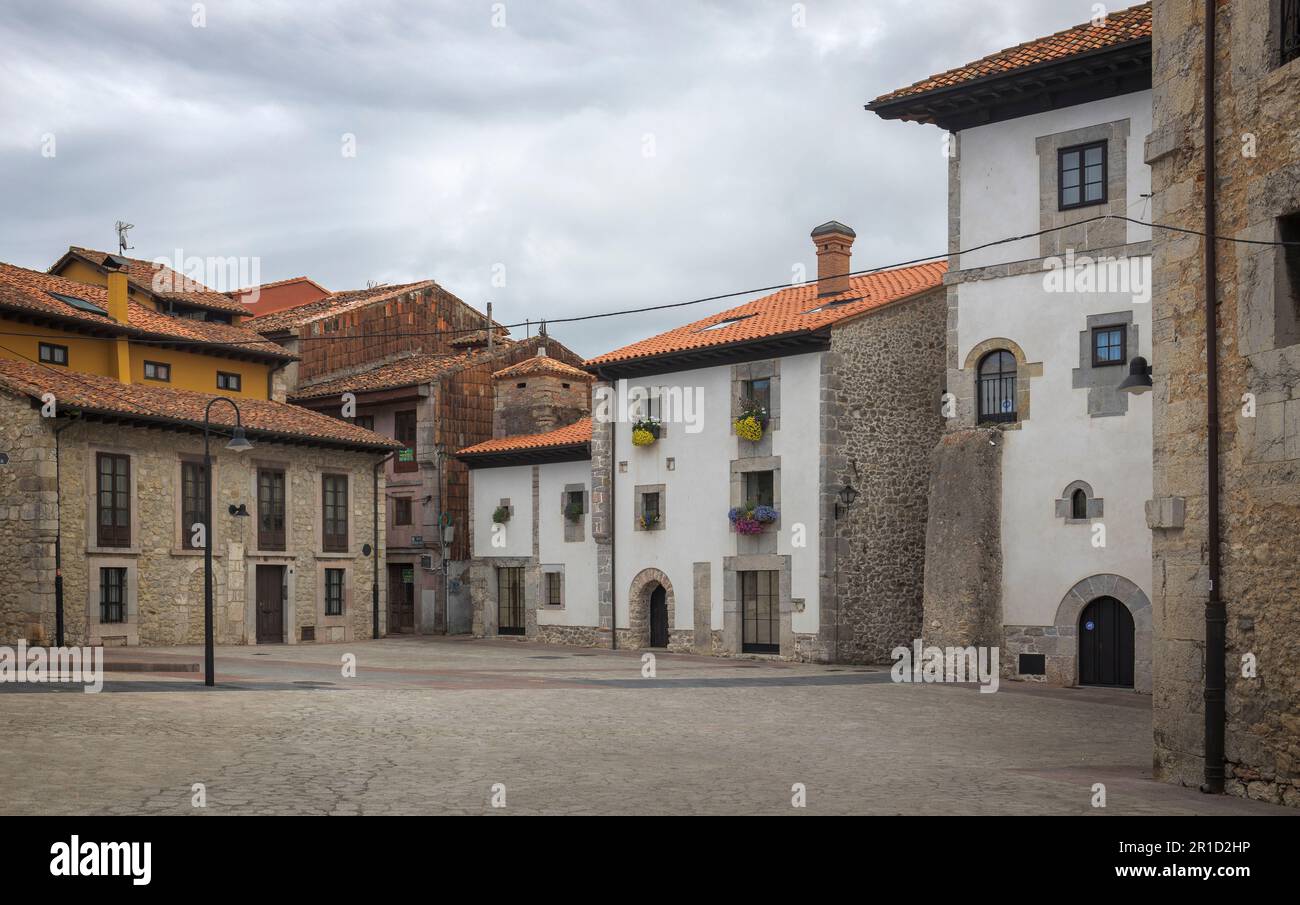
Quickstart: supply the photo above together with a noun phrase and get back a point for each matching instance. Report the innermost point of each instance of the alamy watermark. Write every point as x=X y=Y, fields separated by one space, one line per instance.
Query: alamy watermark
x=662 y=405
x=1084 y=273
x=53 y=664
x=946 y=664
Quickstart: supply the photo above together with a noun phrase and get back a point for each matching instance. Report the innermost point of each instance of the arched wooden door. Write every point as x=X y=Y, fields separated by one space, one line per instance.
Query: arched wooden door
x=659 y=617
x=1106 y=644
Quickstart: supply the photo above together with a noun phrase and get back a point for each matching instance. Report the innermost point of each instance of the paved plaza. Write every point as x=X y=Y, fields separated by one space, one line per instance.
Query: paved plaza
x=433 y=725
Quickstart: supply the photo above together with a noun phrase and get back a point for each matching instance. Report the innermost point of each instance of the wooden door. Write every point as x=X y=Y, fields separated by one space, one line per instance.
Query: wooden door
x=401 y=598
x=1106 y=644
x=270 y=604
x=659 y=617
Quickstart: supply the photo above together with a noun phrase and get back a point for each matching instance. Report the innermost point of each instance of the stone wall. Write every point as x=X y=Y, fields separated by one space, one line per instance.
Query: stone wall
x=881 y=418
x=165 y=581
x=1258 y=163
x=963 y=552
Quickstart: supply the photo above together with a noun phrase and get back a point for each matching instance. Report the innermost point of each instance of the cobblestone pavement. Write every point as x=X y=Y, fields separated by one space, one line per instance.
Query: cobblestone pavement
x=430 y=725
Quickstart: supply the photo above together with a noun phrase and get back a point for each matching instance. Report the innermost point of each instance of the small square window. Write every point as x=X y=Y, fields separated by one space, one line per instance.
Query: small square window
x=157 y=370
x=760 y=488
x=1081 y=175
x=227 y=381
x=54 y=355
x=1109 y=346
x=759 y=392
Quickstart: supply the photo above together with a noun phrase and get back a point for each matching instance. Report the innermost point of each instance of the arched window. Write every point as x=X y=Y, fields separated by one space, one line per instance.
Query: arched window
x=996 y=386
x=1079 y=504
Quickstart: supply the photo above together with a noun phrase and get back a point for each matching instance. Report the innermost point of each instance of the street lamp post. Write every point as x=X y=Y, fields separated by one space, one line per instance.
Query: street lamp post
x=238 y=443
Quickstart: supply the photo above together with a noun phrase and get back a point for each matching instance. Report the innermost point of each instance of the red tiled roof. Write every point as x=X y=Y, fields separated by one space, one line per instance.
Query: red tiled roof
x=543 y=364
x=261 y=417
x=284 y=282
x=1122 y=27
x=161 y=281
x=575 y=434
x=400 y=373
x=789 y=311
x=479 y=338
x=29 y=291
x=332 y=304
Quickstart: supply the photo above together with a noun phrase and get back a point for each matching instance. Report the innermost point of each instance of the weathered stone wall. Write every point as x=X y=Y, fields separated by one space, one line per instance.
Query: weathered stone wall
x=1258 y=163
x=963 y=550
x=166 y=581
x=881 y=418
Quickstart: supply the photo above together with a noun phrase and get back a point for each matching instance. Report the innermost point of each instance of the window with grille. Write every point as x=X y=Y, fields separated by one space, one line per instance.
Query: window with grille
x=553 y=596
x=334 y=592
x=402 y=510
x=112 y=595
x=270 y=509
x=334 y=513
x=510 y=600
x=996 y=386
x=194 y=500
x=113 y=499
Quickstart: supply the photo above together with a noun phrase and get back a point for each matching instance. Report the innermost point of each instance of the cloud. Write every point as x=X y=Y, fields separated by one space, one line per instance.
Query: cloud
x=608 y=154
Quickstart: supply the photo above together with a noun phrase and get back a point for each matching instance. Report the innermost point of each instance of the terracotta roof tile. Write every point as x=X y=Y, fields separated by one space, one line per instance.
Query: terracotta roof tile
x=543 y=364
x=162 y=281
x=29 y=291
x=261 y=417
x=1122 y=27
x=789 y=311
x=403 y=372
x=577 y=433
x=332 y=304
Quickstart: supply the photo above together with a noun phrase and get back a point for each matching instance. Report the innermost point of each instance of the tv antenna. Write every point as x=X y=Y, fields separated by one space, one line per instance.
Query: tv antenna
x=122 y=227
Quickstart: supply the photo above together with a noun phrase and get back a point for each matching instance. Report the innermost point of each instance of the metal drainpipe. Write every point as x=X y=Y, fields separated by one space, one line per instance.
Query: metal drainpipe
x=58 y=537
x=374 y=551
x=613 y=481
x=1215 y=611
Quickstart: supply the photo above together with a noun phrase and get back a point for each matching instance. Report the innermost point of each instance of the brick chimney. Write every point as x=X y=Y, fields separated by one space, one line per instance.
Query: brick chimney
x=834 y=243
x=118 y=310
x=538 y=394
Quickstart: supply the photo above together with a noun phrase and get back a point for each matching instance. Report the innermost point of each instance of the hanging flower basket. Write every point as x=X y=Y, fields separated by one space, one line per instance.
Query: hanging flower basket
x=645 y=432
x=751 y=422
x=501 y=515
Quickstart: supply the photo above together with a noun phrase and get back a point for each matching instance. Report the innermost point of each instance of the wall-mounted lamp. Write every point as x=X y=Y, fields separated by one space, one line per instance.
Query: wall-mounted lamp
x=848 y=493
x=1139 y=377
x=241 y=510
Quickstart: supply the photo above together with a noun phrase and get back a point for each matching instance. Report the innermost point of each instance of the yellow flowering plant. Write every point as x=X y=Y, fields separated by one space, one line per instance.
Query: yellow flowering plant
x=751 y=422
x=645 y=432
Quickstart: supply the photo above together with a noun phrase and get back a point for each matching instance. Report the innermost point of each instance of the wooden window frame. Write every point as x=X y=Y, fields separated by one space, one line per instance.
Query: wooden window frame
x=230 y=377
x=554 y=589
x=335 y=598
x=156 y=365
x=113 y=535
x=335 y=541
x=754 y=477
x=1082 y=149
x=272 y=538
x=192 y=506
x=401 y=503
x=399 y=419
x=1122 y=330
x=52 y=349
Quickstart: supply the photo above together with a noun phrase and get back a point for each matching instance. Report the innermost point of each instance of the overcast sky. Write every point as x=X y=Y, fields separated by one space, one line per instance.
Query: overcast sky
x=602 y=155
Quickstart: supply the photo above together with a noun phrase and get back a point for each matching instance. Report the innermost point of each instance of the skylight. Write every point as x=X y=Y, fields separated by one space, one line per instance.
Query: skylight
x=80 y=304
x=727 y=323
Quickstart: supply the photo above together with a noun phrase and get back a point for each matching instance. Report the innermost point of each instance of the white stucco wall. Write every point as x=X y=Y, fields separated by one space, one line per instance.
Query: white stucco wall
x=576 y=559
x=491 y=485
x=1000 y=176
x=697 y=490
x=1043 y=557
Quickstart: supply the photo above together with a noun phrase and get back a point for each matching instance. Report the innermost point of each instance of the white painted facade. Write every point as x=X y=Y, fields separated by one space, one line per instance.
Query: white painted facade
x=1045 y=555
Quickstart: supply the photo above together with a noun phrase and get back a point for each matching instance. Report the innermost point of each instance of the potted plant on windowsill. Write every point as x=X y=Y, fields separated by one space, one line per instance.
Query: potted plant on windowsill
x=573 y=511
x=645 y=431
x=648 y=522
x=751 y=422
x=501 y=515
x=751 y=519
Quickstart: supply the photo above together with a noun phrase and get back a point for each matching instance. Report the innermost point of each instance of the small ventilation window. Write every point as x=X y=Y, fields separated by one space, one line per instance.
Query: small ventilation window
x=1033 y=665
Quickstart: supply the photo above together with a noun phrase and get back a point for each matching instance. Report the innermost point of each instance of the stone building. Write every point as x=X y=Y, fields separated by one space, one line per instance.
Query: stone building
x=750 y=483
x=104 y=480
x=1037 y=537
x=1256 y=194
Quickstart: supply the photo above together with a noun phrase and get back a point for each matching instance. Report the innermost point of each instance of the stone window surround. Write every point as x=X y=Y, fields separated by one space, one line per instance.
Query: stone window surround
x=732 y=617
x=285 y=466
x=1065 y=508
x=344 y=620
x=532 y=592
x=318 y=522
x=178 y=498
x=1095 y=235
x=965 y=385
x=544 y=602
x=129 y=630
x=769 y=369
x=575 y=532
x=1262 y=325
x=92 y=501
x=638 y=501
x=1101 y=382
